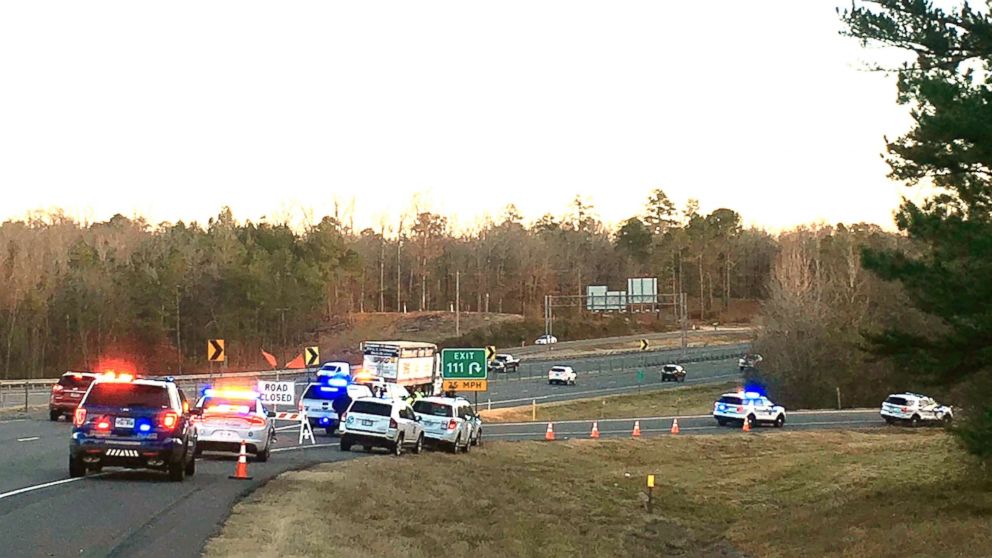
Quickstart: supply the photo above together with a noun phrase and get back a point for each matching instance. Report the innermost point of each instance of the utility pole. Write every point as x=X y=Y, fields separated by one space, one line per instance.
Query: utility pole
x=382 y=274
x=458 y=299
x=399 y=244
x=179 y=344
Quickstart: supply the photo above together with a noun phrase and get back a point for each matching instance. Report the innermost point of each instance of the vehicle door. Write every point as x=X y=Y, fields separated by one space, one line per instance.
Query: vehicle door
x=928 y=409
x=473 y=421
x=408 y=423
x=464 y=428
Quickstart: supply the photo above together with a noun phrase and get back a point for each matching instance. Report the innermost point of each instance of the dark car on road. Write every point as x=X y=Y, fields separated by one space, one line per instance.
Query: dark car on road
x=68 y=392
x=504 y=363
x=672 y=373
x=135 y=424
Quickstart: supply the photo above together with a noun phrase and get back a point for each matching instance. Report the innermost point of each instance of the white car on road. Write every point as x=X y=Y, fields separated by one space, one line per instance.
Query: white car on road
x=385 y=423
x=546 y=340
x=914 y=409
x=750 y=406
x=561 y=375
x=450 y=422
x=230 y=417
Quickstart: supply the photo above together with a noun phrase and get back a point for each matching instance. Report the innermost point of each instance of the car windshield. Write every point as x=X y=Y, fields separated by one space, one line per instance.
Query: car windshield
x=669 y=368
x=371 y=408
x=557 y=369
x=502 y=358
x=114 y=394
x=733 y=399
x=73 y=381
x=432 y=408
x=228 y=405
x=893 y=400
x=322 y=393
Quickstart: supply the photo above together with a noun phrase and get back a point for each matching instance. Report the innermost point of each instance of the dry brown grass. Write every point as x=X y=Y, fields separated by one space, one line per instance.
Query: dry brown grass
x=906 y=493
x=656 y=403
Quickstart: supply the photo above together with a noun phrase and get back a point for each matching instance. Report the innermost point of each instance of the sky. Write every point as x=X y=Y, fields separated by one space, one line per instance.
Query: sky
x=171 y=110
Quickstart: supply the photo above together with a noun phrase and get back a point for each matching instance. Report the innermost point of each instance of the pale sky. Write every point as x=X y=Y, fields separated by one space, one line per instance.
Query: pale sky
x=174 y=109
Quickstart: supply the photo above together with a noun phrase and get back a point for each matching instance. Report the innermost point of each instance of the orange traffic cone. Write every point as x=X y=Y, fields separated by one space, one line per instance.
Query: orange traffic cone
x=595 y=430
x=747 y=425
x=241 y=469
x=675 y=426
x=550 y=433
x=637 y=429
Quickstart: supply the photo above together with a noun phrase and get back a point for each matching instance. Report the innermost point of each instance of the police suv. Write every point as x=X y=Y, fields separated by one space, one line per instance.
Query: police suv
x=449 y=422
x=135 y=424
x=386 y=423
x=750 y=406
x=914 y=409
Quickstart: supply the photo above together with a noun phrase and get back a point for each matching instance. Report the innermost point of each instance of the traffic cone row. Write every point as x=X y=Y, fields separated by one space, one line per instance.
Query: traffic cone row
x=241 y=469
x=550 y=433
x=675 y=426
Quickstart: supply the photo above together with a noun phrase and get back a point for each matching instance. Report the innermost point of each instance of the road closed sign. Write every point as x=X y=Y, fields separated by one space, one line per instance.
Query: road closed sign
x=277 y=393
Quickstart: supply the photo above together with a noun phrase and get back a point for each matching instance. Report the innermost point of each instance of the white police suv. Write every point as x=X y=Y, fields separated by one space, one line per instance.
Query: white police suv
x=914 y=409
x=735 y=408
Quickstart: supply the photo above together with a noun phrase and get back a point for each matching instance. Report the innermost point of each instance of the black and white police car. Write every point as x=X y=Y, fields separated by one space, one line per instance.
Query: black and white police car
x=754 y=407
x=915 y=409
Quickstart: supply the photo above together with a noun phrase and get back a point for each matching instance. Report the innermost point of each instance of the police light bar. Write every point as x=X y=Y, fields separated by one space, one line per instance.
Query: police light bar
x=224 y=408
x=230 y=393
x=111 y=376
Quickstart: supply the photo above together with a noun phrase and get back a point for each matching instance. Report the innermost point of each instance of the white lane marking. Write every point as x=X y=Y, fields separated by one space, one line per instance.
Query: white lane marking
x=304 y=446
x=31 y=439
x=12 y=420
x=45 y=485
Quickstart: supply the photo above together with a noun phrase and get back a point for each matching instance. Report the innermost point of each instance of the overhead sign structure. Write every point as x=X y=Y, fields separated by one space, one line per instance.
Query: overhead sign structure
x=276 y=393
x=490 y=352
x=215 y=350
x=464 y=369
x=312 y=356
x=644 y=344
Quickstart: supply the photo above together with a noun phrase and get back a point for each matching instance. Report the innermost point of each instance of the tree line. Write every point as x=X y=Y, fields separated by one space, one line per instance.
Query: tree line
x=74 y=295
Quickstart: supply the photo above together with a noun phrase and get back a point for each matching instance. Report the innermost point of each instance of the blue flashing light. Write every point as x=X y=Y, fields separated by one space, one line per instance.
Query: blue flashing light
x=143 y=425
x=327 y=389
x=752 y=395
x=338 y=382
x=325 y=420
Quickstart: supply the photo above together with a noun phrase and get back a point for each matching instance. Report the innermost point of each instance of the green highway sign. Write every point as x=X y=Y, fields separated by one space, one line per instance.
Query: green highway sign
x=464 y=364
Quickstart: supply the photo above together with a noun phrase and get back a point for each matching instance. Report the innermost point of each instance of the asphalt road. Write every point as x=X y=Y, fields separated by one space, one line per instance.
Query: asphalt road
x=133 y=513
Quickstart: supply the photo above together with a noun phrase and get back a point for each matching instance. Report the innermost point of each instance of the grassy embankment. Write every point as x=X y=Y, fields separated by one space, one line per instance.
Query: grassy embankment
x=893 y=493
x=692 y=400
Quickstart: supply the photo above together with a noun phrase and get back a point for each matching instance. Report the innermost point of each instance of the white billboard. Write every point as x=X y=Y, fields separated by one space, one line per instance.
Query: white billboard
x=642 y=290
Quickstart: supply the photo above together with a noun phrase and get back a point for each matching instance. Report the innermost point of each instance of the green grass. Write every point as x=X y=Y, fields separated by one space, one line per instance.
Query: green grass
x=678 y=401
x=892 y=493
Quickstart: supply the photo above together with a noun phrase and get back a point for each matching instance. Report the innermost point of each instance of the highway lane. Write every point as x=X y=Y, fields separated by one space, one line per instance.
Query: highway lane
x=695 y=424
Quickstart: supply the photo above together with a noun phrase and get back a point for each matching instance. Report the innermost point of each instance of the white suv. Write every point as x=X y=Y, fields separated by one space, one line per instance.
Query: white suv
x=913 y=409
x=384 y=423
x=449 y=422
x=561 y=375
x=750 y=406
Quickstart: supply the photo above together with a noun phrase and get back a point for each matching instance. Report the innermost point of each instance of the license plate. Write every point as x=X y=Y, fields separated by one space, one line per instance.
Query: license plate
x=366 y=423
x=124 y=422
x=76 y=395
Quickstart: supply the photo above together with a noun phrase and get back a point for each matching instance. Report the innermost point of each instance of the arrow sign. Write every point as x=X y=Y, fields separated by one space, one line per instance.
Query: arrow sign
x=312 y=356
x=215 y=350
x=490 y=352
x=644 y=344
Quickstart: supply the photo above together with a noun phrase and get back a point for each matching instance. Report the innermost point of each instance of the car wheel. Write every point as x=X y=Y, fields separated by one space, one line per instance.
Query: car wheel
x=780 y=421
x=721 y=422
x=177 y=471
x=76 y=468
x=889 y=420
x=551 y=382
x=946 y=420
x=191 y=467
x=398 y=446
x=456 y=444
x=53 y=415
x=915 y=421
x=330 y=430
x=262 y=456
x=419 y=448
x=752 y=421
x=345 y=443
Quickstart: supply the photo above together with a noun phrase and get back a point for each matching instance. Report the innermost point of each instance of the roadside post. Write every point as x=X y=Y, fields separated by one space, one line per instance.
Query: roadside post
x=650 y=492
x=640 y=379
x=466 y=370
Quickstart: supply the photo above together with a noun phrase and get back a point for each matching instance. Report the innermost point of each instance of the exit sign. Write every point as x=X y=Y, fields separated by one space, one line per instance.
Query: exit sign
x=463 y=364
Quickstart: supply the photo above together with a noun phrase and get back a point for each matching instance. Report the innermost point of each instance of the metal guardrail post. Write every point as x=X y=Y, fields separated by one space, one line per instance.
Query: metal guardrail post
x=25 y=397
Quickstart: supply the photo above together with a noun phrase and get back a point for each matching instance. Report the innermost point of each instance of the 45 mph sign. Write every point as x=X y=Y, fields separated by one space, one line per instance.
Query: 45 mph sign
x=277 y=393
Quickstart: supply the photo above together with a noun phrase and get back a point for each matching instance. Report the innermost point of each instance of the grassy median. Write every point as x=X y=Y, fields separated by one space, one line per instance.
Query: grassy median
x=892 y=493
x=692 y=400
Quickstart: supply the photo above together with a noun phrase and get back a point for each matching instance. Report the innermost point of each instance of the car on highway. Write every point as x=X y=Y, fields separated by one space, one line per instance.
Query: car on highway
x=68 y=392
x=915 y=409
x=672 y=373
x=748 y=362
x=754 y=407
x=546 y=340
x=385 y=423
x=449 y=422
x=504 y=363
x=325 y=401
x=561 y=375
x=135 y=424
x=334 y=369
x=227 y=417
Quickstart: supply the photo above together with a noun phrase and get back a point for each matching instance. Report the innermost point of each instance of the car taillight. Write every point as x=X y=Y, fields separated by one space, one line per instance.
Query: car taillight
x=169 y=420
x=103 y=423
x=392 y=423
x=740 y=409
x=452 y=424
x=79 y=417
x=257 y=421
x=905 y=409
x=57 y=388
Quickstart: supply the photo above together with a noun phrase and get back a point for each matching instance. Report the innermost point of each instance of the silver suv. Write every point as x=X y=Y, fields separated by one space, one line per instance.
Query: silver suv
x=450 y=422
x=384 y=423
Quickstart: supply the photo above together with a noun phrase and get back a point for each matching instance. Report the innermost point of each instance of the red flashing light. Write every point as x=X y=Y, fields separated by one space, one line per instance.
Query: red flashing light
x=79 y=417
x=169 y=420
x=103 y=424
